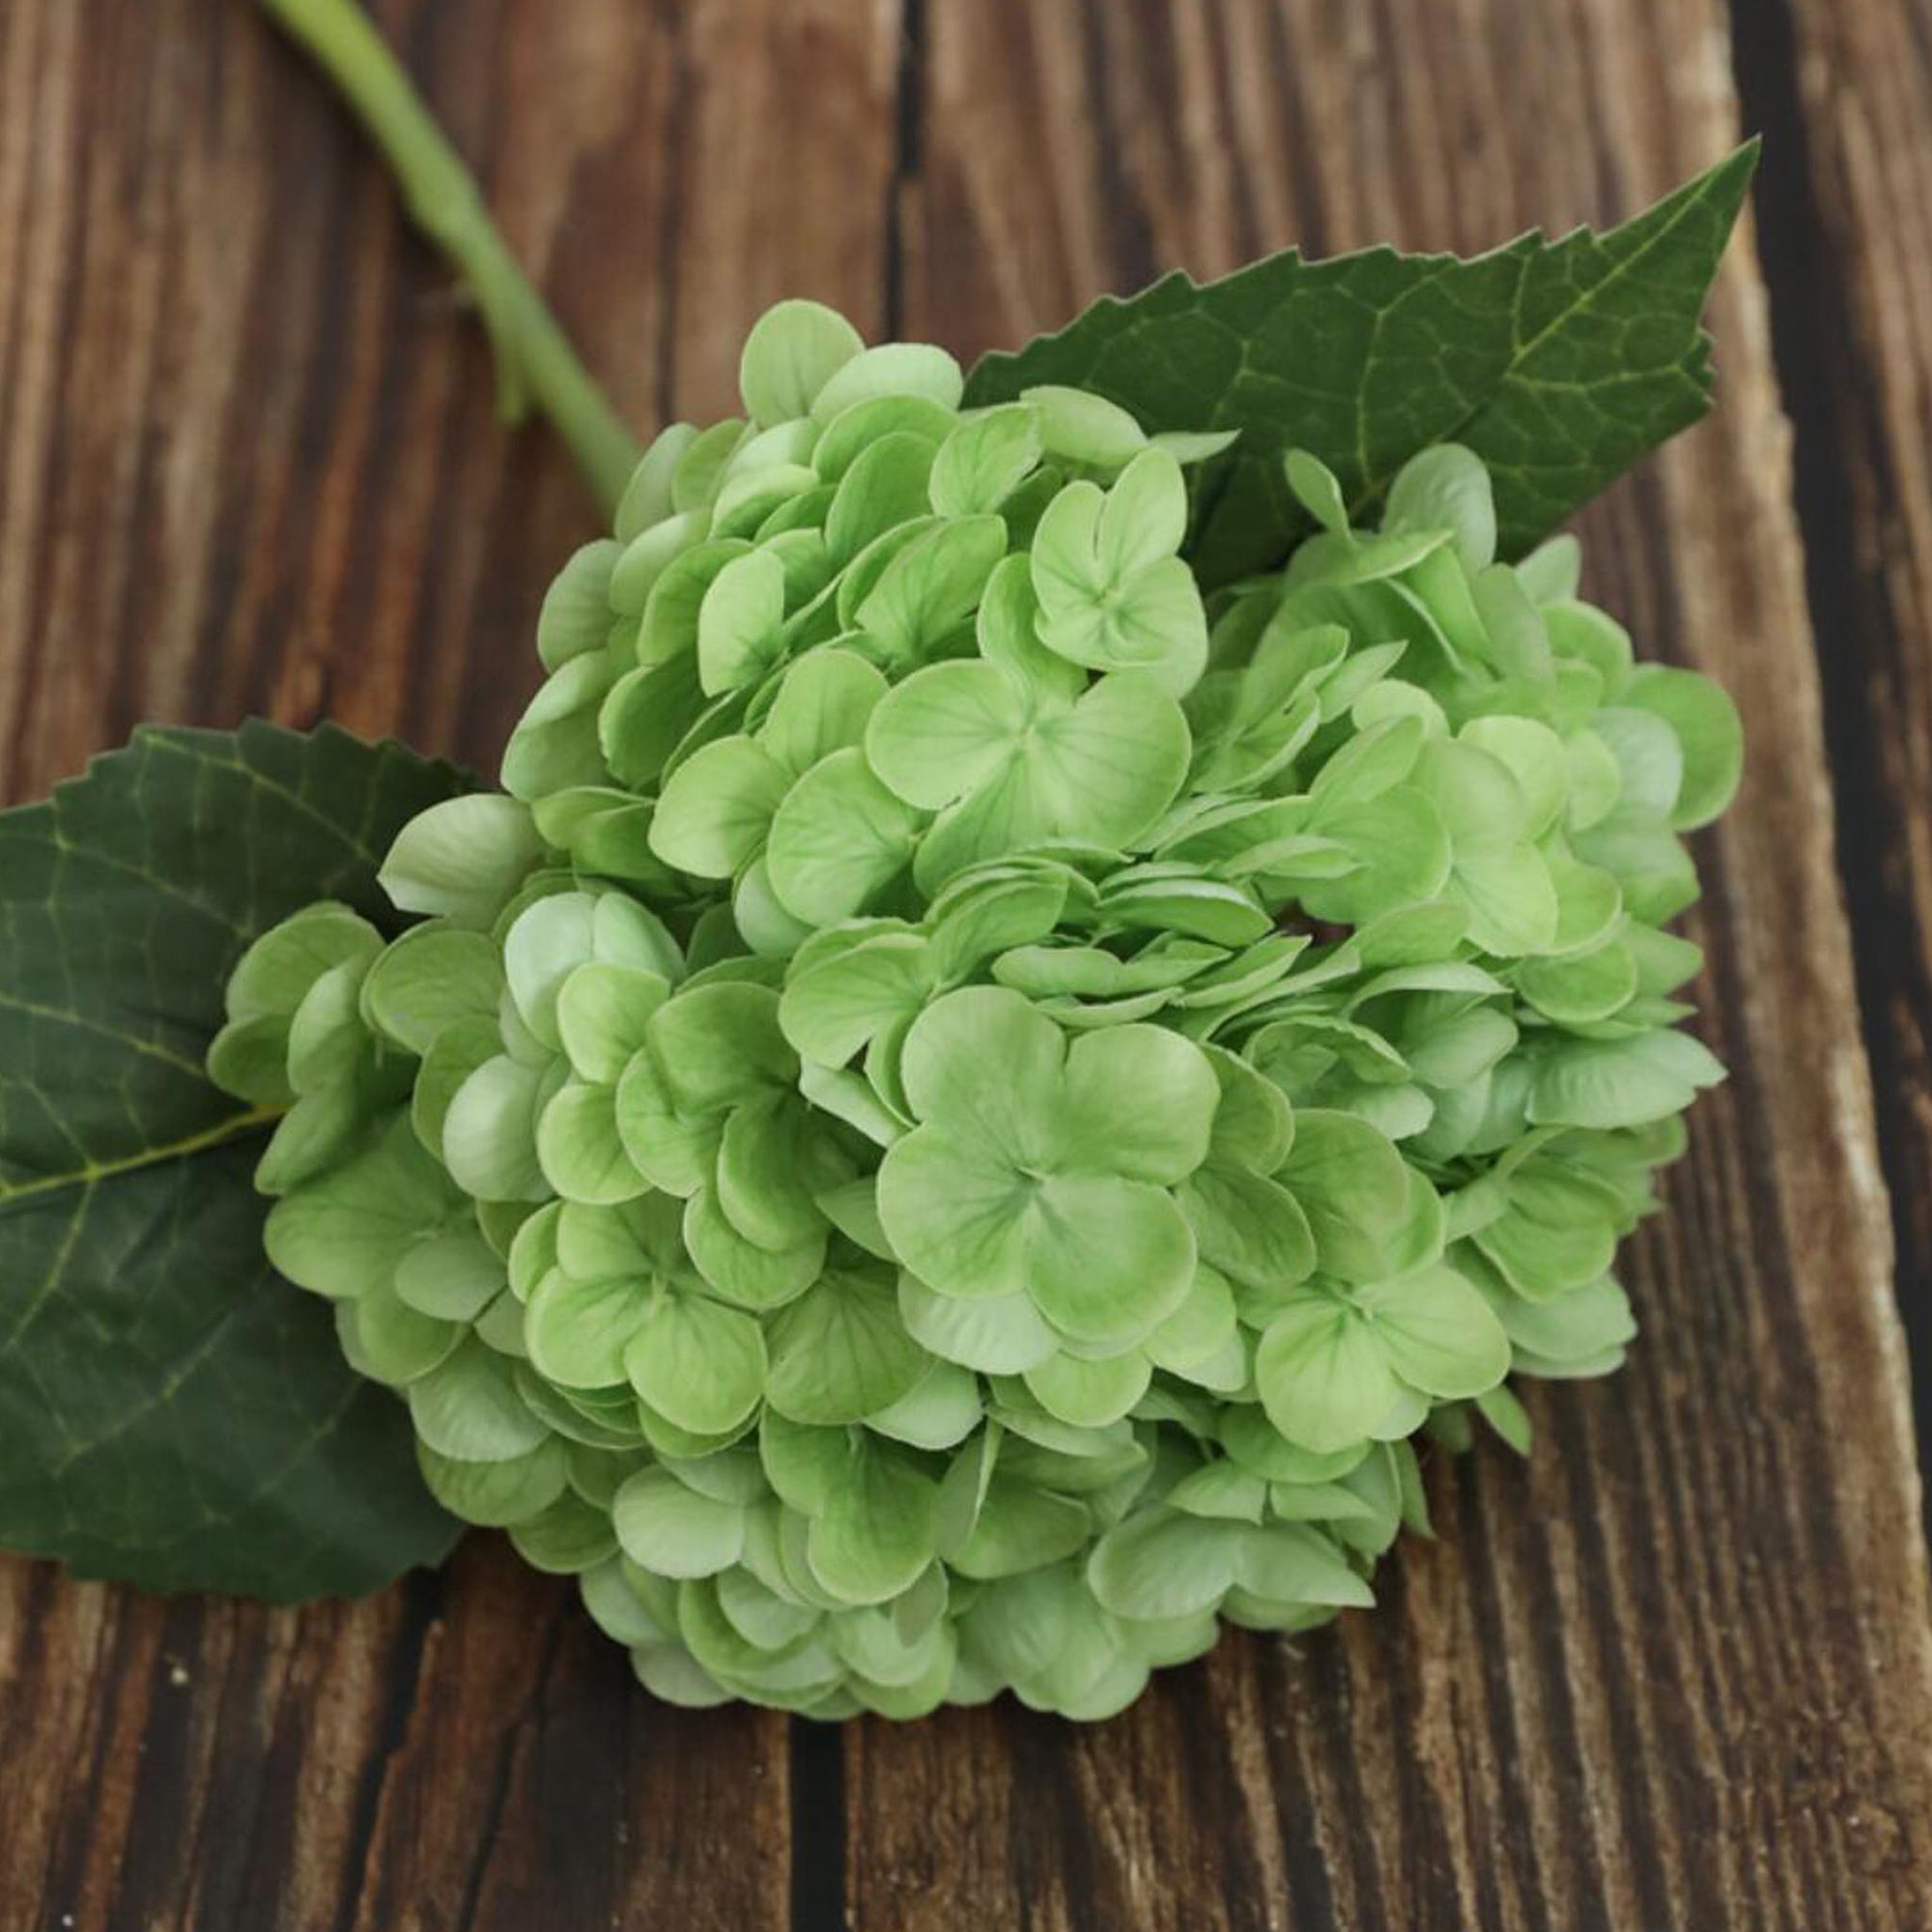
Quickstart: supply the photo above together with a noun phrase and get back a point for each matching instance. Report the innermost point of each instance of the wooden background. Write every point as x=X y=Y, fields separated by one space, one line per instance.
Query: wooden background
x=1675 y=1673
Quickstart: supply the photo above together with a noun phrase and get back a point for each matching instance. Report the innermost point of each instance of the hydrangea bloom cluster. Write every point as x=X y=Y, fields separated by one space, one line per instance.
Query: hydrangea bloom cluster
x=969 y=1105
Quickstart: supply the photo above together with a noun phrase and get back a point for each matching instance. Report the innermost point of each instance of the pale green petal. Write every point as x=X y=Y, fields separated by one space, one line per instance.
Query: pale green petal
x=995 y=1335
x=1322 y=1374
x=672 y=1530
x=580 y=1148
x=462 y=860
x=841 y=1354
x=468 y=1408
x=1437 y=1333
x=955 y=1215
x=794 y=348
x=1138 y=1100
x=1105 y=1260
x=699 y=1365
x=838 y=839
x=716 y=807
x=576 y=1330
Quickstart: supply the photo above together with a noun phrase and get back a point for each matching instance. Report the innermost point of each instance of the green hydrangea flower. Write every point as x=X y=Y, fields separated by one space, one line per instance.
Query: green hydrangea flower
x=966 y=1108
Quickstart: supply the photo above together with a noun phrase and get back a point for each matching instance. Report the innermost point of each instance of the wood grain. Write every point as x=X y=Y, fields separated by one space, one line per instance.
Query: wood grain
x=1843 y=94
x=1676 y=1671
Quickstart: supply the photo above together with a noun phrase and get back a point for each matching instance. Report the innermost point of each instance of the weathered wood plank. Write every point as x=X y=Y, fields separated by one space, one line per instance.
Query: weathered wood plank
x=1845 y=97
x=1675 y=1672
x=248 y=461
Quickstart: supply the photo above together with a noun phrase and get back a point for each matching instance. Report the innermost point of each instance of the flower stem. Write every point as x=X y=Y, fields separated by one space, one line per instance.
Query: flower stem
x=535 y=363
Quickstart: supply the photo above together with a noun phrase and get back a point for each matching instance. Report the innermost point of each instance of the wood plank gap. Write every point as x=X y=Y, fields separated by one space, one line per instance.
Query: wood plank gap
x=818 y=1825
x=908 y=149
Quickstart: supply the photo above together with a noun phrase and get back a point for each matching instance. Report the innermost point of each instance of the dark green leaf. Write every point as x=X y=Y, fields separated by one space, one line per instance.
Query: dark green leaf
x=1557 y=362
x=174 y=1414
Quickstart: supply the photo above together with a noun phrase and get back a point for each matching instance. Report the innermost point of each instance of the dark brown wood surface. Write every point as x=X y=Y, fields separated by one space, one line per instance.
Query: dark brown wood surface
x=1674 y=1673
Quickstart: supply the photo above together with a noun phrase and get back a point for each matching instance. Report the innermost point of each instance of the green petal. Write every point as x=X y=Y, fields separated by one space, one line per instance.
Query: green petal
x=738 y=622
x=468 y=1408
x=940 y=1410
x=765 y=1175
x=576 y=1330
x=1144 y=518
x=1158 y=1564
x=841 y=1354
x=1102 y=773
x=1140 y=1101
x=1286 y=1564
x=1511 y=899
x=346 y=1232
x=929 y=589
x=647 y=495
x=602 y=1014
x=555 y=744
x=432 y=978
x=459 y=1051
x=275 y=974
x=699 y=1365
x=1351 y=1184
x=740 y=1270
x=1020 y=1529
x=998 y=1335
x=716 y=811
x=565 y=1540
x=1649 y=756
x=546 y=943
x=462 y=860
x=1322 y=1373
x=453 y=1276
x=579 y=1147
x=1367 y=765
x=877 y=1534
x=955 y=1213
x=1581 y=988
x=674 y=1150
x=985 y=459
x=1709 y=734
x=987 y=1064
x=576 y=614
x=1090 y=1395
x=720 y=1044
x=822 y=707
x=1254 y=1125
x=490 y=1132
x=884 y=487
x=794 y=348
x=944 y=730
x=672 y=1530
x=1446 y=487
x=1248 y=1226
x=1536 y=757
x=838 y=839
x=1621 y=1083
x=1104 y=1259
x=495 y=1494
x=639 y=1237
x=388 y=1341
x=891 y=369
x=1437 y=1333
x=1085 y=428
x=832 y=1008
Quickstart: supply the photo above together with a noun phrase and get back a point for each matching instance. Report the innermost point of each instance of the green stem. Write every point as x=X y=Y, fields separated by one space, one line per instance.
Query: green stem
x=535 y=362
